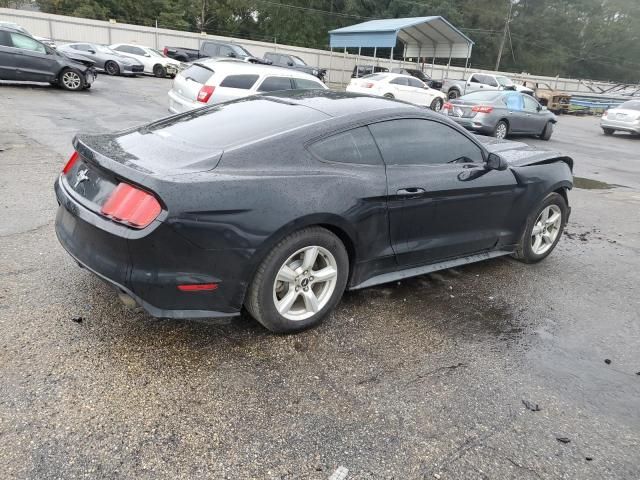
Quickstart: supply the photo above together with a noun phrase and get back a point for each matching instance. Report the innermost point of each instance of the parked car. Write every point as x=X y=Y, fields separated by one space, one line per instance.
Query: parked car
x=401 y=87
x=501 y=113
x=212 y=49
x=105 y=59
x=153 y=61
x=25 y=59
x=625 y=117
x=295 y=62
x=481 y=81
x=555 y=100
x=47 y=41
x=420 y=75
x=362 y=70
x=212 y=81
x=198 y=214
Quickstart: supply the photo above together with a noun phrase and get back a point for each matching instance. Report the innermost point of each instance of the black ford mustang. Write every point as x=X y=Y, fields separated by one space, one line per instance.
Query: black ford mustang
x=280 y=202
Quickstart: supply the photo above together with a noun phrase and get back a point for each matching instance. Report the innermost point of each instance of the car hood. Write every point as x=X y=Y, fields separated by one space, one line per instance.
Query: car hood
x=520 y=154
x=78 y=58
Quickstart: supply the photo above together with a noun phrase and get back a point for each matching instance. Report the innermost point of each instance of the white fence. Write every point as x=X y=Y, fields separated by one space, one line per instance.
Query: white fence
x=338 y=64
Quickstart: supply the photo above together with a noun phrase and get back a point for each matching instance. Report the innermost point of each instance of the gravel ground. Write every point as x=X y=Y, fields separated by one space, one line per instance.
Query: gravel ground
x=427 y=378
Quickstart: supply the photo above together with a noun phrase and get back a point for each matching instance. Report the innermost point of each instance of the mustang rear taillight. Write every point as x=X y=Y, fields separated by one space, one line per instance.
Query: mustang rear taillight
x=205 y=93
x=70 y=162
x=482 y=109
x=131 y=206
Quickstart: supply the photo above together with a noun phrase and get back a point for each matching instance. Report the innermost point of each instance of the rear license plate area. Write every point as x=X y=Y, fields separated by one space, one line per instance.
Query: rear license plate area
x=90 y=184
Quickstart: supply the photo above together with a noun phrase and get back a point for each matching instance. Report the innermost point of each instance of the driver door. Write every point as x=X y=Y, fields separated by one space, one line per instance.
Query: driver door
x=33 y=63
x=442 y=201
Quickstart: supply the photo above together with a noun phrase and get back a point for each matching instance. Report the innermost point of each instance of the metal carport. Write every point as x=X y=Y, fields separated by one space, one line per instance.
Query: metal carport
x=422 y=37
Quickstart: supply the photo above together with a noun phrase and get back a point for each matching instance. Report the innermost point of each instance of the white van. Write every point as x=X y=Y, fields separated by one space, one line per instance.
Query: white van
x=213 y=81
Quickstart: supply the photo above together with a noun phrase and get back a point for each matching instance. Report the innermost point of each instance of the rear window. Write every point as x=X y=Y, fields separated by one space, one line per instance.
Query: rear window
x=244 y=82
x=273 y=84
x=630 y=105
x=375 y=76
x=354 y=146
x=198 y=73
x=481 y=96
x=304 y=84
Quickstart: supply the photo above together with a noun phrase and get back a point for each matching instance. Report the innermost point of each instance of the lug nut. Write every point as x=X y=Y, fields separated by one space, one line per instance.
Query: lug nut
x=297 y=288
x=311 y=279
x=306 y=289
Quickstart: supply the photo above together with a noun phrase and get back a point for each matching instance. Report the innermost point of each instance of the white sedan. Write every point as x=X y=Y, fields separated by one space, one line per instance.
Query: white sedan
x=402 y=87
x=154 y=62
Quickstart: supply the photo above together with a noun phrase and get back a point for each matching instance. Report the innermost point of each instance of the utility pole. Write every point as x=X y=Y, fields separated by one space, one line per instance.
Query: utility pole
x=504 y=35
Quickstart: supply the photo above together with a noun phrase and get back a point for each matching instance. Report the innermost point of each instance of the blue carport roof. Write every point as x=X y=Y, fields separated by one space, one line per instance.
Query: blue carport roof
x=424 y=36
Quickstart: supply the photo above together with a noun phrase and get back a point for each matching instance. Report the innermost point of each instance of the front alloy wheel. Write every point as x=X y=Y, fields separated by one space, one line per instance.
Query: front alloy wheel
x=546 y=229
x=71 y=80
x=436 y=104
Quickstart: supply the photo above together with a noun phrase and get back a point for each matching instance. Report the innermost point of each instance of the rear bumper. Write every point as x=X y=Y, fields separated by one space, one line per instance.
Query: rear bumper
x=132 y=69
x=178 y=104
x=474 y=124
x=147 y=268
x=624 y=126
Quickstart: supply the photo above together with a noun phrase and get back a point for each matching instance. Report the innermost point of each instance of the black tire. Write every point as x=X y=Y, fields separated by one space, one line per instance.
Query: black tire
x=71 y=79
x=436 y=104
x=608 y=131
x=548 y=130
x=259 y=301
x=525 y=252
x=501 y=130
x=111 y=68
x=453 y=94
x=389 y=95
x=159 y=71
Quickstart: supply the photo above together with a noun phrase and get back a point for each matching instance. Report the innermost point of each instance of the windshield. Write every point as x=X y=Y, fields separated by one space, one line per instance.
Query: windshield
x=630 y=105
x=243 y=51
x=103 y=49
x=155 y=53
x=504 y=81
x=297 y=60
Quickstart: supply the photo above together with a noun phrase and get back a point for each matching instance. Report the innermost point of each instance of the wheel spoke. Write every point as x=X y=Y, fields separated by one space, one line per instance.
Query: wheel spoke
x=553 y=218
x=544 y=215
x=286 y=274
x=547 y=237
x=537 y=230
x=310 y=256
x=537 y=244
x=324 y=275
x=310 y=300
x=287 y=301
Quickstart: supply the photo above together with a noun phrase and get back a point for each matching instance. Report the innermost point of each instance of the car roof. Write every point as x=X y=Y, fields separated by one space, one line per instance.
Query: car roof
x=342 y=104
x=392 y=75
x=130 y=45
x=238 y=66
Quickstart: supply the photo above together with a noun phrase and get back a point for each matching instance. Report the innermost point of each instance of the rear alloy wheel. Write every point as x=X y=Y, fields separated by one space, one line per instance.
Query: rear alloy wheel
x=111 y=68
x=544 y=229
x=501 y=130
x=548 y=130
x=608 y=131
x=71 y=80
x=453 y=94
x=159 y=71
x=436 y=104
x=300 y=281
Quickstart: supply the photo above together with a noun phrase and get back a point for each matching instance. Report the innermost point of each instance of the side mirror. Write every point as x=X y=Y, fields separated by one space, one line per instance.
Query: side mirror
x=147 y=54
x=290 y=63
x=496 y=162
x=231 y=54
x=91 y=51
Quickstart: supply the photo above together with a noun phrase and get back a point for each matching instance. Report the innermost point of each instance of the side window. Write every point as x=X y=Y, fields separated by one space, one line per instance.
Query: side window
x=489 y=80
x=210 y=49
x=414 y=82
x=286 y=60
x=530 y=105
x=423 y=142
x=514 y=102
x=270 y=56
x=136 y=51
x=244 y=82
x=475 y=78
x=399 y=81
x=26 y=43
x=353 y=146
x=5 y=39
x=81 y=46
x=304 y=84
x=224 y=51
x=273 y=84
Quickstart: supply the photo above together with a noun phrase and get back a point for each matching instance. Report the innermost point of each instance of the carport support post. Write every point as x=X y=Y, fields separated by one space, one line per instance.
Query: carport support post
x=449 y=62
x=420 y=58
x=330 y=64
x=344 y=61
x=466 y=62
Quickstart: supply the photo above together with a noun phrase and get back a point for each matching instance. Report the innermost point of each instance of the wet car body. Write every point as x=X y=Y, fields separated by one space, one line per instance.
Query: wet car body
x=227 y=199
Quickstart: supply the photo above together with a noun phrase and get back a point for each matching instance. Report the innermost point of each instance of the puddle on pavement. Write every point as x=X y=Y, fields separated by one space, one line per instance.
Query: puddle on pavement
x=590 y=184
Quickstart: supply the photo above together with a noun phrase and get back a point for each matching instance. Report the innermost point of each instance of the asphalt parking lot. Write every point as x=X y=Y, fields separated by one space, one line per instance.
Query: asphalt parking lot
x=492 y=371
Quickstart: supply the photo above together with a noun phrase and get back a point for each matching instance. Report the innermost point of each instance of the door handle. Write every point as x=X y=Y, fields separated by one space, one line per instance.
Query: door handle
x=409 y=191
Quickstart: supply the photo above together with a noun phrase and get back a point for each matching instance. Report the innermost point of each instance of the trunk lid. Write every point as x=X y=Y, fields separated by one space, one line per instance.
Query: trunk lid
x=623 y=115
x=461 y=109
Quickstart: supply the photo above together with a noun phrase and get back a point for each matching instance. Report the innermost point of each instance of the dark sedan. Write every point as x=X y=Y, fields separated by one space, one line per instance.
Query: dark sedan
x=24 y=59
x=202 y=213
x=501 y=113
